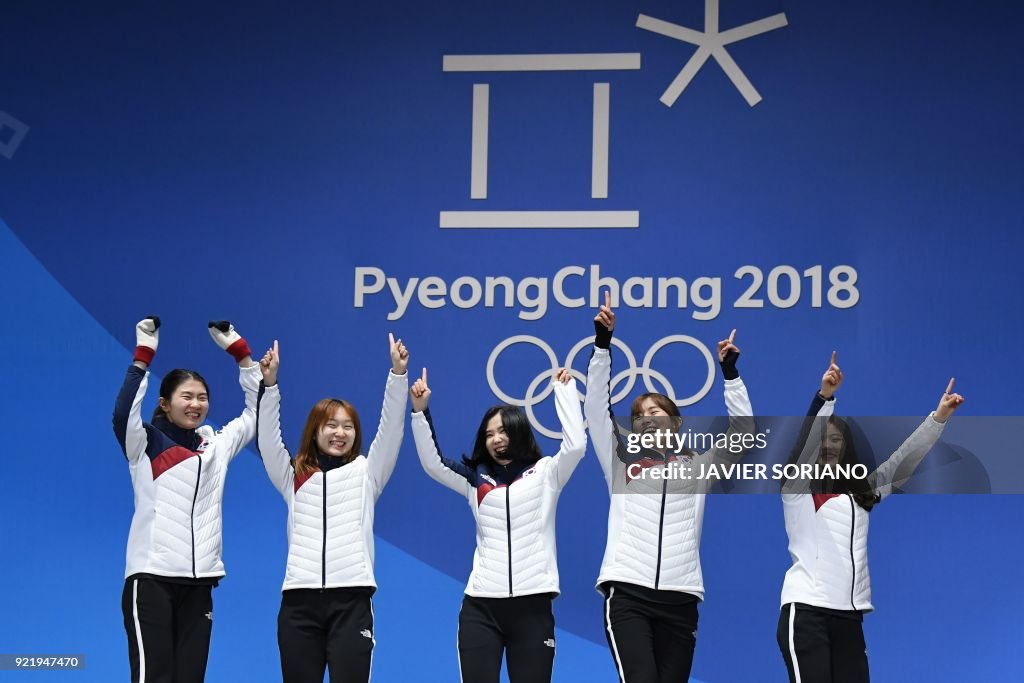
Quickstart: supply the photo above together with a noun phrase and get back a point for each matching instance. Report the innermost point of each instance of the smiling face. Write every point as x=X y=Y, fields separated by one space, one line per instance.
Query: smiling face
x=337 y=434
x=188 y=404
x=504 y=436
x=497 y=440
x=833 y=447
x=650 y=414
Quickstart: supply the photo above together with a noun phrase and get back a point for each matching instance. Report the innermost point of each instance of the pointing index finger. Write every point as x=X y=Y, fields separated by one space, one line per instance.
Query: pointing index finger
x=732 y=335
x=391 y=339
x=607 y=298
x=949 y=388
x=833 y=361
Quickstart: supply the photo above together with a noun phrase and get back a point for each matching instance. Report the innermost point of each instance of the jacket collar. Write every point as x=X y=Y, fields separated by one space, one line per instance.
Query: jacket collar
x=506 y=474
x=183 y=437
x=330 y=462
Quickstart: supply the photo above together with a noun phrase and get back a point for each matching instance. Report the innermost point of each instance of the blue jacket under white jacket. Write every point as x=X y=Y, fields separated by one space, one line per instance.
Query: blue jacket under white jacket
x=828 y=532
x=178 y=476
x=330 y=514
x=515 y=523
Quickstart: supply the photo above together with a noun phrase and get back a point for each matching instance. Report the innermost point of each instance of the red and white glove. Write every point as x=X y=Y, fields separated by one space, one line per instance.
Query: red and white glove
x=147 y=337
x=223 y=332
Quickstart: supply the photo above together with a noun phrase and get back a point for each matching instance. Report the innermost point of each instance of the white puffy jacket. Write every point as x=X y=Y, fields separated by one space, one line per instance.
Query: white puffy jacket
x=653 y=533
x=176 y=528
x=515 y=524
x=330 y=515
x=828 y=533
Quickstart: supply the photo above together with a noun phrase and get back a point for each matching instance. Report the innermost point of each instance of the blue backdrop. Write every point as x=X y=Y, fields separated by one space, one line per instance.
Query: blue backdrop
x=290 y=168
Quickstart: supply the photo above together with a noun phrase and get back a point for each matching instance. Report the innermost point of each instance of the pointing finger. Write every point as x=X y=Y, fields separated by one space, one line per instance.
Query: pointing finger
x=732 y=335
x=391 y=339
x=949 y=389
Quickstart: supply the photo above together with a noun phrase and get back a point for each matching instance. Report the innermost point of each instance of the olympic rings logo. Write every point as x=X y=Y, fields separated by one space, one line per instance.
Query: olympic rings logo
x=622 y=382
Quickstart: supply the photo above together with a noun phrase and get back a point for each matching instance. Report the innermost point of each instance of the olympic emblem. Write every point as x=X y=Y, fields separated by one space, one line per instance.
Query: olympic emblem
x=622 y=382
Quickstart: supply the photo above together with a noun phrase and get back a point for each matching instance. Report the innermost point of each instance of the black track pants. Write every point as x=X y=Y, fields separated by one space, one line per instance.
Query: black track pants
x=820 y=647
x=650 y=642
x=168 y=627
x=524 y=628
x=326 y=629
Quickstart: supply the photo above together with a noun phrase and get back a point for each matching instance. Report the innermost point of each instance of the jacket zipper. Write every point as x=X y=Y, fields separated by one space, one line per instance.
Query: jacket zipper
x=508 y=526
x=661 y=530
x=192 y=516
x=323 y=552
x=853 y=563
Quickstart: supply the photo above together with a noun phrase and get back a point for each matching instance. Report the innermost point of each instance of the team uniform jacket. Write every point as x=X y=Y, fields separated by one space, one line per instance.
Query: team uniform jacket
x=828 y=533
x=515 y=523
x=653 y=532
x=330 y=514
x=178 y=477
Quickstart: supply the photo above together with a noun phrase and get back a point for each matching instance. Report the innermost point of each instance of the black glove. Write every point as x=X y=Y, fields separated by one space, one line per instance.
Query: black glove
x=602 y=335
x=729 y=365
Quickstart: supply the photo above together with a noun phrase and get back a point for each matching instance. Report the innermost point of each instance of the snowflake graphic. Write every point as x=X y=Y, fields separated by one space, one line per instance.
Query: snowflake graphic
x=711 y=43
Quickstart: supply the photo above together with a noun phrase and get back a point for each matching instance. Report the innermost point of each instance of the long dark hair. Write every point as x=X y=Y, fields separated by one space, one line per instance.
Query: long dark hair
x=522 y=446
x=860 y=489
x=323 y=412
x=174 y=379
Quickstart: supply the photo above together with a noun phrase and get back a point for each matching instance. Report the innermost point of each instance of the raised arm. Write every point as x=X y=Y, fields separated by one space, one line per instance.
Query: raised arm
x=269 y=444
x=130 y=430
x=574 y=437
x=242 y=429
x=812 y=432
x=456 y=476
x=597 y=403
x=383 y=451
x=899 y=467
x=737 y=402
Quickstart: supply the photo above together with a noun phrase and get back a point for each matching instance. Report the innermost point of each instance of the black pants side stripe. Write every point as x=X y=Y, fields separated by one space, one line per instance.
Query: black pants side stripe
x=611 y=636
x=818 y=645
x=792 y=642
x=373 y=642
x=458 y=652
x=138 y=631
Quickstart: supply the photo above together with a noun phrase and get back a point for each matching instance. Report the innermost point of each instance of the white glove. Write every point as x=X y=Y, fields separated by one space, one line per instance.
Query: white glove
x=223 y=332
x=147 y=337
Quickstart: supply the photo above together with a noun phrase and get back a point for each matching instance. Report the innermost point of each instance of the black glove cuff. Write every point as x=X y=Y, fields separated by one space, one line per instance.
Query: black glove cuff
x=602 y=335
x=729 y=370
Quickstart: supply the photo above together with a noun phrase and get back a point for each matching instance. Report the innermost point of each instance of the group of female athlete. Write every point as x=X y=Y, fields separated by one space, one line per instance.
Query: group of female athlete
x=650 y=576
